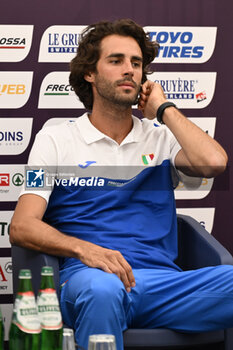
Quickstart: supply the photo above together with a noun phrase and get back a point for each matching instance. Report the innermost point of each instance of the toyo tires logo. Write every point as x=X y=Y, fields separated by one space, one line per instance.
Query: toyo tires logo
x=183 y=44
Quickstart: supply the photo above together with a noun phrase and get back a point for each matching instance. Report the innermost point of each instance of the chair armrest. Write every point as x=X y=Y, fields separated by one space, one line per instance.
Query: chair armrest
x=23 y=258
x=197 y=248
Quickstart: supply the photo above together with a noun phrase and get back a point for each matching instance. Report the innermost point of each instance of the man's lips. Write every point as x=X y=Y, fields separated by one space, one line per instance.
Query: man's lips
x=128 y=85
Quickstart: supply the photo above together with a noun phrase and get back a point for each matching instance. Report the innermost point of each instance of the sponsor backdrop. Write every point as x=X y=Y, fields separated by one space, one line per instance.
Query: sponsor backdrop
x=37 y=41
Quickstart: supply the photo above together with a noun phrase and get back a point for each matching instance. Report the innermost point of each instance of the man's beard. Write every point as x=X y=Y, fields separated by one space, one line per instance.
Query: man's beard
x=108 y=91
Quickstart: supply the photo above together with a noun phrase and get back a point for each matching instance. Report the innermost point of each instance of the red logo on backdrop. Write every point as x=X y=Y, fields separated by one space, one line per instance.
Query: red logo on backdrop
x=201 y=96
x=2 y=275
x=4 y=179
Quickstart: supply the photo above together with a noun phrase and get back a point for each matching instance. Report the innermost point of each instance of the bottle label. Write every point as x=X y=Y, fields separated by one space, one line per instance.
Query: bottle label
x=49 y=310
x=25 y=313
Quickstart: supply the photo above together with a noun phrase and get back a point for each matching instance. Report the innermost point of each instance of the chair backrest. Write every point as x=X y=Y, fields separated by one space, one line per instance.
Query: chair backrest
x=23 y=258
x=193 y=240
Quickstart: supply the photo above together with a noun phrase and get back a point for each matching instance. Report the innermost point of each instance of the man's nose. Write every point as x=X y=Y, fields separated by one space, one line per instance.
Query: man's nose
x=128 y=68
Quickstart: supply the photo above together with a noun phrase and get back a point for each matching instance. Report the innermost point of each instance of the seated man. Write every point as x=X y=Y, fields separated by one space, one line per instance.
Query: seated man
x=117 y=234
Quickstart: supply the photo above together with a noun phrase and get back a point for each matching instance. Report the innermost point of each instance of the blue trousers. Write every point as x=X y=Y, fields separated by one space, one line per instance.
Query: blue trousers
x=96 y=302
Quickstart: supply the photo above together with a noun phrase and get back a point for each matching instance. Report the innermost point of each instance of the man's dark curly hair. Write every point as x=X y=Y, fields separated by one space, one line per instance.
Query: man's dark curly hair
x=88 y=53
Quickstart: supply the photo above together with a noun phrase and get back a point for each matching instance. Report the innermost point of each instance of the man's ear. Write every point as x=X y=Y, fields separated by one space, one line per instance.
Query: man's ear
x=89 y=77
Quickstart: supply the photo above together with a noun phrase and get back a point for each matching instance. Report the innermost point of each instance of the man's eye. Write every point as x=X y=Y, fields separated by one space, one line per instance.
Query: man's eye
x=136 y=64
x=115 y=61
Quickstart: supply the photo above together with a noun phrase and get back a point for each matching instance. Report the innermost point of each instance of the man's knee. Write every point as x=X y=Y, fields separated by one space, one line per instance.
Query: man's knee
x=93 y=292
x=106 y=290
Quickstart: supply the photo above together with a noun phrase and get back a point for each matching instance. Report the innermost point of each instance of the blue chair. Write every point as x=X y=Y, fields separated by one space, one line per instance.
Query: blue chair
x=196 y=247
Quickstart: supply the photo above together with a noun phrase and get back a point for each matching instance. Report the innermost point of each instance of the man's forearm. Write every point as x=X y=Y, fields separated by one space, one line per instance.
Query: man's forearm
x=35 y=234
x=205 y=155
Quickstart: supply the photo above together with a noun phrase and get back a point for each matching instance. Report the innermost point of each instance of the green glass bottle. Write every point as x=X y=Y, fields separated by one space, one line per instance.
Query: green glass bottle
x=49 y=312
x=1 y=332
x=25 y=326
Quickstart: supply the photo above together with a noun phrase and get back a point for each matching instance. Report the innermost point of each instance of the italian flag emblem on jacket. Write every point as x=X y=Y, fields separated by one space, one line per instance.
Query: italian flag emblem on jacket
x=147 y=158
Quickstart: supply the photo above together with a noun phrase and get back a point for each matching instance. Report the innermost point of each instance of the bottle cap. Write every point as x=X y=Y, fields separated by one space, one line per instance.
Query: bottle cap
x=47 y=271
x=25 y=273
